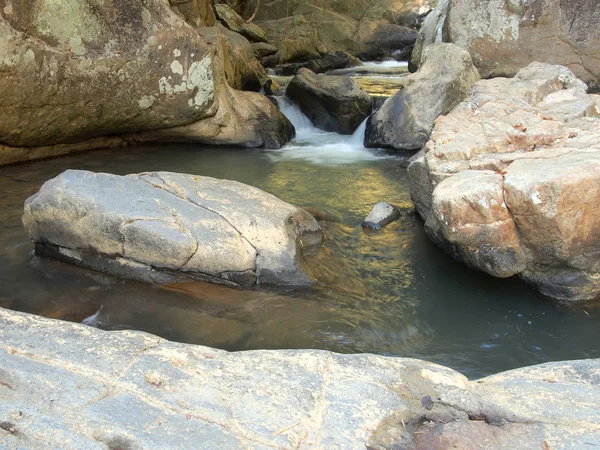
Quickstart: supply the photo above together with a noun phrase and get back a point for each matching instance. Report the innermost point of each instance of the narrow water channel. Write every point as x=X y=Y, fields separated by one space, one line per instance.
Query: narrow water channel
x=390 y=292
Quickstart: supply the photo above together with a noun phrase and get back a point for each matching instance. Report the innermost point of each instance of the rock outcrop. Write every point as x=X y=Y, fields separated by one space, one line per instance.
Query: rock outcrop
x=369 y=29
x=405 y=121
x=69 y=386
x=177 y=226
x=505 y=35
x=509 y=181
x=74 y=74
x=332 y=103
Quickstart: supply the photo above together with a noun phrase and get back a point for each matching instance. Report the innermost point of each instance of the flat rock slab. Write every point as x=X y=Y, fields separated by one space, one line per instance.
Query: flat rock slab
x=69 y=386
x=166 y=226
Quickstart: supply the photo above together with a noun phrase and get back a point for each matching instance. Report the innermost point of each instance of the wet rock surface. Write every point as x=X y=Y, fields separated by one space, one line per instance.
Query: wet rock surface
x=507 y=182
x=179 y=226
x=333 y=103
x=65 y=385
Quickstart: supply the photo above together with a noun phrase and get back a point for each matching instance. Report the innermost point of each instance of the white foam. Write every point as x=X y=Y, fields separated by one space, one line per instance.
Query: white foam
x=322 y=147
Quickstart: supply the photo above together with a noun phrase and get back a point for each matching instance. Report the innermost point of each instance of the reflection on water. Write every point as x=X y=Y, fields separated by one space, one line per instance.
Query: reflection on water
x=390 y=292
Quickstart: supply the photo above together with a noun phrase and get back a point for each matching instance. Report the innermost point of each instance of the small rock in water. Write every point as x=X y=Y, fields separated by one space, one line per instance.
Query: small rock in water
x=381 y=214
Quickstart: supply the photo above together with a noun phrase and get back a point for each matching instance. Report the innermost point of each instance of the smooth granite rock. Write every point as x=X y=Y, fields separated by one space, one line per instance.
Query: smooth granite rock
x=68 y=386
x=510 y=180
x=166 y=226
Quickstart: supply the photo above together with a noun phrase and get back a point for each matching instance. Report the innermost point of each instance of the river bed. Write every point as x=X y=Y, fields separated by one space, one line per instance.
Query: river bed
x=390 y=292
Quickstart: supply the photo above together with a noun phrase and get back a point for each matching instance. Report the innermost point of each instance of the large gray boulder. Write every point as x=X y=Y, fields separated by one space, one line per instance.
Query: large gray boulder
x=509 y=181
x=69 y=386
x=166 y=226
x=405 y=121
x=333 y=103
x=503 y=36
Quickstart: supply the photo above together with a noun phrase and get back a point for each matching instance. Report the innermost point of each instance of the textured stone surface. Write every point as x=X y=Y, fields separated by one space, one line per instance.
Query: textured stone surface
x=382 y=214
x=405 y=121
x=68 y=386
x=509 y=181
x=333 y=103
x=77 y=77
x=505 y=35
x=72 y=71
x=178 y=226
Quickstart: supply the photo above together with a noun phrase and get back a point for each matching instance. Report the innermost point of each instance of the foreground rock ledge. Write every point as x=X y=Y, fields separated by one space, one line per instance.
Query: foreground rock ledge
x=68 y=386
x=163 y=226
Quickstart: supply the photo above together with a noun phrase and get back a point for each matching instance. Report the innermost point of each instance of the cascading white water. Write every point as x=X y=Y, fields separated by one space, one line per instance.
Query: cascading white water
x=322 y=147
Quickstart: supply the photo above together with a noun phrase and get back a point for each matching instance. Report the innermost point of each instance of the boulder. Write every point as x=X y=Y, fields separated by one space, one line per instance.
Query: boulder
x=177 y=227
x=294 y=38
x=382 y=41
x=505 y=35
x=243 y=71
x=234 y=22
x=72 y=71
x=405 y=121
x=124 y=389
x=262 y=49
x=382 y=214
x=509 y=181
x=198 y=13
x=103 y=77
x=333 y=103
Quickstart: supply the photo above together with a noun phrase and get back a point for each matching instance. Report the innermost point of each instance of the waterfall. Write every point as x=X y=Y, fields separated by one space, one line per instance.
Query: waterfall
x=322 y=147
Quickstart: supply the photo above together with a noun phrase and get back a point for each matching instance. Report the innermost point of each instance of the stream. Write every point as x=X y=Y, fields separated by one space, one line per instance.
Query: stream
x=390 y=292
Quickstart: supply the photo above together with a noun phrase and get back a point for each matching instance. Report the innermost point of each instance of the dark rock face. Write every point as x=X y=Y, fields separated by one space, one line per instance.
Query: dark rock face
x=405 y=121
x=389 y=40
x=333 y=103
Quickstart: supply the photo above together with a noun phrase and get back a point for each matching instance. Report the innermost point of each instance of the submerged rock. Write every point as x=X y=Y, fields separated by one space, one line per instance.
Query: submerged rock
x=333 y=103
x=382 y=214
x=509 y=181
x=175 y=226
x=405 y=121
x=125 y=389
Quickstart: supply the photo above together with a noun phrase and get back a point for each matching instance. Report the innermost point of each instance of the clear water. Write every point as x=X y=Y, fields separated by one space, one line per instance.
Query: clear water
x=390 y=292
